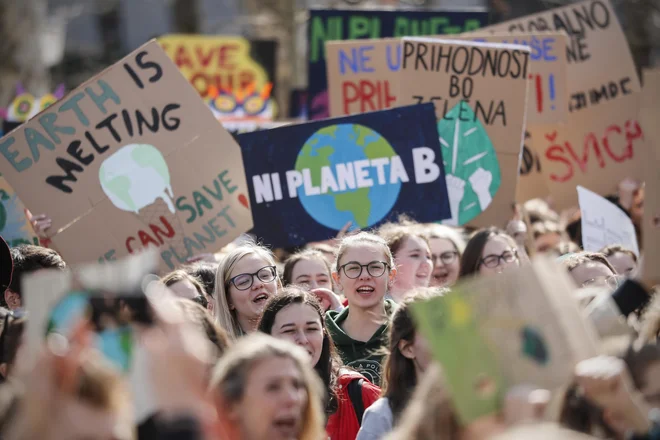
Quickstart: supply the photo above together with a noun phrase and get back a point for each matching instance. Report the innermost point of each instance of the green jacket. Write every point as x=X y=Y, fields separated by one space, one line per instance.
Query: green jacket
x=365 y=357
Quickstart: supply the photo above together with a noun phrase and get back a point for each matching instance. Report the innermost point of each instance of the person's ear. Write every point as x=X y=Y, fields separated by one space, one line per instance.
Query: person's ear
x=7 y=295
x=3 y=370
x=392 y=274
x=407 y=349
x=335 y=277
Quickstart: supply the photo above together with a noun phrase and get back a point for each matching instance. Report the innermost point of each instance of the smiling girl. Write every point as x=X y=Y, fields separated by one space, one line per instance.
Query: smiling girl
x=310 y=269
x=245 y=280
x=412 y=257
x=363 y=270
x=295 y=315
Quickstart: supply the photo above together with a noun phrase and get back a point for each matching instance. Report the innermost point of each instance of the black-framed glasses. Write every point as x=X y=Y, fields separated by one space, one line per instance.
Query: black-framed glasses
x=493 y=261
x=245 y=280
x=446 y=257
x=353 y=269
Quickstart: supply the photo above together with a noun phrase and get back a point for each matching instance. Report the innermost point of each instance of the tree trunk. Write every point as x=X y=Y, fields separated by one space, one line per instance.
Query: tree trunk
x=21 y=60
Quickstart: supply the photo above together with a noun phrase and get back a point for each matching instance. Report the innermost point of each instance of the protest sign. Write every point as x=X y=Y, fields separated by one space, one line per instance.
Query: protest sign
x=14 y=227
x=604 y=223
x=526 y=318
x=239 y=127
x=25 y=105
x=131 y=158
x=308 y=180
x=336 y=25
x=479 y=91
x=650 y=115
x=531 y=183
x=362 y=75
x=596 y=150
x=600 y=65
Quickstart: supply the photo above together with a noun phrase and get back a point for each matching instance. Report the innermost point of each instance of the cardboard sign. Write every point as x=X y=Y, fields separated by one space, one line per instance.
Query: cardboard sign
x=650 y=115
x=604 y=223
x=531 y=183
x=362 y=75
x=596 y=150
x=479 y=91
x=600 y=65
x=338 y=25
x=223 y=70
x=526 y=318
x=547 y=100
x=131 y=158
x=308 y=180
x=14 y=227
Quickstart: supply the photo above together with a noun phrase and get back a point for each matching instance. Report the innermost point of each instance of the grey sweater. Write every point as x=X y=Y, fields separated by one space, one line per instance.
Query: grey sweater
x=377 y=421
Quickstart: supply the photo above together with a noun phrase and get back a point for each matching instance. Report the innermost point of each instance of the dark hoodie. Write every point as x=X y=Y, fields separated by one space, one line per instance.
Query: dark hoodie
x=365 y=357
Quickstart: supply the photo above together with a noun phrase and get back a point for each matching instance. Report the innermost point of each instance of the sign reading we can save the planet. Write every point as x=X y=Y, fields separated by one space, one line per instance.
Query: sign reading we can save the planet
x=308 y=180
x=132 y=158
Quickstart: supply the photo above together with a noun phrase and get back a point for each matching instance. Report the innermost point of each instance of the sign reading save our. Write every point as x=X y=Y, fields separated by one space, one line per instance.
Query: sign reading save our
x=130 y=159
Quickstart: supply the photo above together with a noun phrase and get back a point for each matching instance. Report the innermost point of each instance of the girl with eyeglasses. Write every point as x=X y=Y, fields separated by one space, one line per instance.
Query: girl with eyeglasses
x=245 y=280
x=490 y=251
x=447 y=247
x=412 y=256
x=362 y=272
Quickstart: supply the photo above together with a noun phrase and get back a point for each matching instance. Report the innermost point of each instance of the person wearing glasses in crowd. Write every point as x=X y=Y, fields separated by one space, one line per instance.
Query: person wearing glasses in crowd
x=490 y=251
x=447 y=247
x=623 y=260
x=591 y=269
x=245 y=280
x=363 y=271
x=186 y=286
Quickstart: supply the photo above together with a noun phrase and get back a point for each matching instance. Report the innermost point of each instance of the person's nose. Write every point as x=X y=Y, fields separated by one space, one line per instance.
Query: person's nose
x=292 y=396
x=301 y=338
x=365 y=275
x=313 y=284
x=256 y=283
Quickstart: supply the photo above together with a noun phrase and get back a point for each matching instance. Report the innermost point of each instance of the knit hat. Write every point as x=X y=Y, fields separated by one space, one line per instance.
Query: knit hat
x=6 y=266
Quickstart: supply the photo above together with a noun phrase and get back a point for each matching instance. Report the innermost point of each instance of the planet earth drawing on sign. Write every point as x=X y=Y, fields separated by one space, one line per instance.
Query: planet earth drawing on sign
x=344 y=144
x=135 y=176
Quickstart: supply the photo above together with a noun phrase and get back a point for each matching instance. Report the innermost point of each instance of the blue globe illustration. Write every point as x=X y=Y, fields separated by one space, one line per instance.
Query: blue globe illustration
x=339 y=146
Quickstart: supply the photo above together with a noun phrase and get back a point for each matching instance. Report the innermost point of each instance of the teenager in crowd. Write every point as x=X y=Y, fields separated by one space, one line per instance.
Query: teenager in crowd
x=447 y=247
x=27 y=259
x=412 y=257
x=547 y=236
x=363 y=270
x=204 y=271
x=266 y=390
x=187 y=287
x=295 y=315
x=245 y=280
x=408 y=358
x=591 y=269
x=490 y=251
x=623 y=260
x=310 y=269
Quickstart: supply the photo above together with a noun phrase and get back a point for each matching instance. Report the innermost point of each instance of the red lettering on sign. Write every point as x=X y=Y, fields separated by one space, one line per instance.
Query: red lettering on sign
x=156 y=236
x=370 y=96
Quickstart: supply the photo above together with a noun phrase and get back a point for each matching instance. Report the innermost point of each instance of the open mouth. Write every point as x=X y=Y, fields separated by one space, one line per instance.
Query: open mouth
x=287 y=426
x=365 y=290
x=261 y=298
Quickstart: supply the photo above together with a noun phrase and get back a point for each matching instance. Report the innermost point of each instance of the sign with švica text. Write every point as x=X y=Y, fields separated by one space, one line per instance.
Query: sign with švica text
x=131 y=158
x=337 y=25
x=479 y=91
x=522 y=324
x=600 y=65
x=362 y=75
x=308 y=180
x=604 y=223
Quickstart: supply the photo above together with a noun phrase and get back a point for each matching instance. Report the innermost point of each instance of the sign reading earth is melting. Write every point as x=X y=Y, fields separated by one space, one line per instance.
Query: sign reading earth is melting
x=479 y=91
x=308 y=180
x=131 y=159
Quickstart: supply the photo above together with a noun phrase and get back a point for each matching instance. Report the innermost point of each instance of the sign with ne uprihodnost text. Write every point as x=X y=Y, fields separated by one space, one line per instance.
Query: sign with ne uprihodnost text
x=596 y=150
x=131 y=158
x=479 y=91
x=650 y=115
x=338 y=25
x=522 y=324
x=14 y=227
x=362 y=75
x=308 y=180
x=600 y=65
x=604 y=223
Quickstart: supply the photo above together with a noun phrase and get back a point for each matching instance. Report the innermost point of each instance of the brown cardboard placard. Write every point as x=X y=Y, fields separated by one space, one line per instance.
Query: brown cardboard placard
x=531 y=183
x=596 y=150
x=650 y=115
x=480 y=107
x=547 y=97
x=362 y=75
x=529 y=321
x=136 y=138
x=600 y=65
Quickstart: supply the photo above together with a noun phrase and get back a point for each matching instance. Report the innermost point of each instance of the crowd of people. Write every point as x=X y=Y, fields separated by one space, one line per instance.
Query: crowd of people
x=322 y=343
